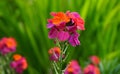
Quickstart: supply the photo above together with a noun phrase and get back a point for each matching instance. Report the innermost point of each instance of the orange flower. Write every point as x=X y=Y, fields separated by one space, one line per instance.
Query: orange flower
x=59 y=17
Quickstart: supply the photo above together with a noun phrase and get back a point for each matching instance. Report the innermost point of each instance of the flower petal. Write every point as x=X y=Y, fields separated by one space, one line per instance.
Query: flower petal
x=73 y=40
x=53 y=33
x=63 y=36
x=50 y=25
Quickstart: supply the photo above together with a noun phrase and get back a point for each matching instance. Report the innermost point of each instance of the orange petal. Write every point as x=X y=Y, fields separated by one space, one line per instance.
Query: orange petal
x=17 y=57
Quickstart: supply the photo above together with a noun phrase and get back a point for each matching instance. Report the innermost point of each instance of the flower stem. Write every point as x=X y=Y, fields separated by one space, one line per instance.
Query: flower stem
x=63 y=46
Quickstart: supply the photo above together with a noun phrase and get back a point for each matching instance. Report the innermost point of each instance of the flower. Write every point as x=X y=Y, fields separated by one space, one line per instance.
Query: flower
x=54 y=53
x=73 y=40
x=7 y=45
x=91 y=69
x=64 y=26
x=73 y=68
x=95 y=60
x=19 y=63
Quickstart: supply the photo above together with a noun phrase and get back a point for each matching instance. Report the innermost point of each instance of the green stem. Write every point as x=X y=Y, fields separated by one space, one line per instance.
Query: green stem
x=63 y=47
x=5 y=65
x=1 y=65
x=55 y=68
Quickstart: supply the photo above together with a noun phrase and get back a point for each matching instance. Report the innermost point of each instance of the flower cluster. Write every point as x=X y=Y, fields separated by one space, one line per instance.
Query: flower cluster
x=19 y=63
x=92 y=68
x=8 y=46
x=63 y=29
x=64 y=26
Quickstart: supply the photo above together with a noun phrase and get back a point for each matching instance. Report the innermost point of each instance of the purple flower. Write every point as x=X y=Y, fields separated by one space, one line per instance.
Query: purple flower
x=53 y=33
x=73 y=68
x=63 y=36
x=73 y=40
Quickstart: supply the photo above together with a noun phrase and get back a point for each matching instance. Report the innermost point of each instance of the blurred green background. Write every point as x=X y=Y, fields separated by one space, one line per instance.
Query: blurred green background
x=26 y=21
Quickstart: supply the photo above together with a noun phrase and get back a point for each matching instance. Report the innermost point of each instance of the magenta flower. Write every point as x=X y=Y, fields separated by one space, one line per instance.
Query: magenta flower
x=7 y=45
x=19 y=63
x=73 y=40
x=73 y=68
x=64 y=26
x=91 y=69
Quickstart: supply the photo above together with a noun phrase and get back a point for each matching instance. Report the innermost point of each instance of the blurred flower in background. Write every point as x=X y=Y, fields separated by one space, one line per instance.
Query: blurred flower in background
x=19 y=63
x=91 y=69
x=7 y=45
x=73 y=68
x=95 y=60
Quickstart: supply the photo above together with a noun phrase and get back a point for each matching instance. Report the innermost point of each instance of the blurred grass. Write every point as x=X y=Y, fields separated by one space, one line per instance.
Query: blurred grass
x=26 y=21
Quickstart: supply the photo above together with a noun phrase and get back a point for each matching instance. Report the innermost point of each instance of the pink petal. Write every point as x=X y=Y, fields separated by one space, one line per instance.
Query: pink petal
x=53 y=33
x=63 y=36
